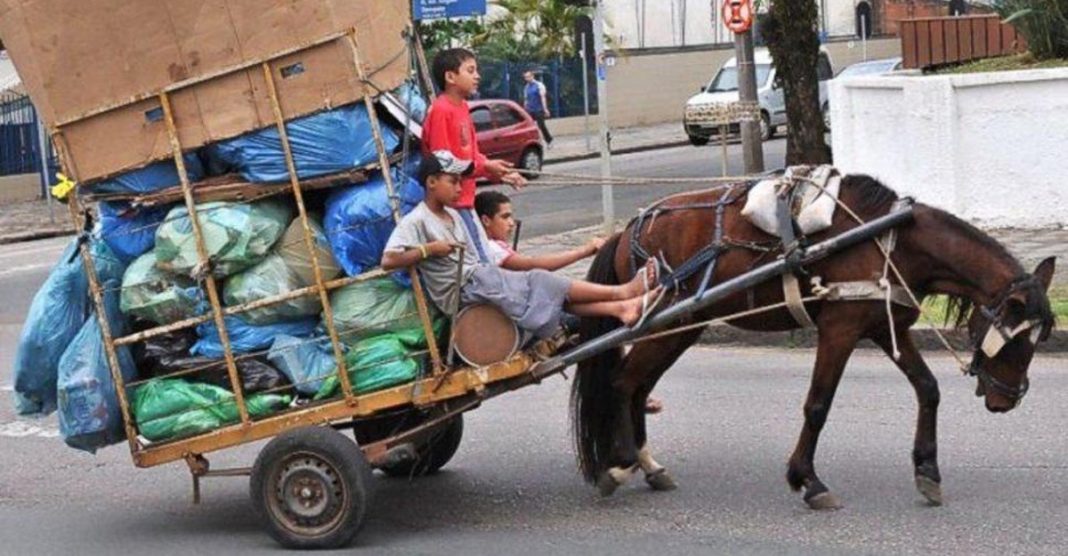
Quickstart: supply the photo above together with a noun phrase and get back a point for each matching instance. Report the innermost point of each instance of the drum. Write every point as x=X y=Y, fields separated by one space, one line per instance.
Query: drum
x=484 y=335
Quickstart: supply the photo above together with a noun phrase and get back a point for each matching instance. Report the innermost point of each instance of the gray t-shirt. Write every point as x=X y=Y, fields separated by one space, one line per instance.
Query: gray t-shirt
x=420 y=227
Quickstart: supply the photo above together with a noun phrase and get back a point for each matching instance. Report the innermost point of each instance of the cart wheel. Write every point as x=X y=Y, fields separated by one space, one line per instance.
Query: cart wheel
x=311 y=486
x=434 y=454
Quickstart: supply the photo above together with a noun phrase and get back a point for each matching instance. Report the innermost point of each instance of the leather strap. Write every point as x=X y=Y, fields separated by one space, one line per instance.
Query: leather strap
x=791 y=290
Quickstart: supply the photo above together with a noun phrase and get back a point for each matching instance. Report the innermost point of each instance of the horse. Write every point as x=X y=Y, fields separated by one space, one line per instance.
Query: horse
x=935 y=252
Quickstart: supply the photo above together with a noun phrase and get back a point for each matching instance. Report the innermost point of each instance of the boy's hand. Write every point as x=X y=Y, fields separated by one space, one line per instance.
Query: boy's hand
x=594 y=245
x=514 y=179
x=499 y=168
x=441 y=248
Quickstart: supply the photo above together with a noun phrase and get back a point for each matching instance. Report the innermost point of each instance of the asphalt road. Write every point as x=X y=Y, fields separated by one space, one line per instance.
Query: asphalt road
x=731 y=420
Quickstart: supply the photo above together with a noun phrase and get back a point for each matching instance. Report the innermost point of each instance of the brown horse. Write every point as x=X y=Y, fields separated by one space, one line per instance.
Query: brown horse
x=936 y=253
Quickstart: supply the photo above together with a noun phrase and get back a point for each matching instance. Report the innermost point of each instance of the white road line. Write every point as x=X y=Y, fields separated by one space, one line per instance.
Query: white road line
x=24 y=268
x=6 y=388
x=27 y=249
x=24 y=429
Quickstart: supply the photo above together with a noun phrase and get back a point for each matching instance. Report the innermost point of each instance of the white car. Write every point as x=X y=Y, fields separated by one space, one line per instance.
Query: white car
x=723 y=88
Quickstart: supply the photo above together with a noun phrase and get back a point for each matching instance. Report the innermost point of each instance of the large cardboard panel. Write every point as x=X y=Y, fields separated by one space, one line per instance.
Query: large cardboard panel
x=94 y=67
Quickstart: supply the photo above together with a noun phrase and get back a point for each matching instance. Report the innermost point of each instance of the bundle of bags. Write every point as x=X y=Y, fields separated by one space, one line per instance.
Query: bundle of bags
x=147 y=262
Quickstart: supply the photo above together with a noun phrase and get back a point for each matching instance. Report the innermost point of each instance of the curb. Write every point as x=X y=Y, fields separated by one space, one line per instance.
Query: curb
x=35 y=235
x=627 y=150
x=924 y=338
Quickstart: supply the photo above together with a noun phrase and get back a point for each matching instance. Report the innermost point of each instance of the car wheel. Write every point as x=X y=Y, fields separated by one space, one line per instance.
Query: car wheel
x=767 y=131
x=697 y=140
x=531 y=162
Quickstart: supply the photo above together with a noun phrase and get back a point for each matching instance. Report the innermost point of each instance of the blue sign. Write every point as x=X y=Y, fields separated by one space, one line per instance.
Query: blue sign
x=437 y=9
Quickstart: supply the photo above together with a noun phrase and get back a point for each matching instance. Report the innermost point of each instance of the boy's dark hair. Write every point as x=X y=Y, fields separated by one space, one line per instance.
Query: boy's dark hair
x=487 y=203
x=448 y=60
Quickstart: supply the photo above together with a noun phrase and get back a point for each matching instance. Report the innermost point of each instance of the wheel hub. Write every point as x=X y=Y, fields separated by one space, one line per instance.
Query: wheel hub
x=308 y=493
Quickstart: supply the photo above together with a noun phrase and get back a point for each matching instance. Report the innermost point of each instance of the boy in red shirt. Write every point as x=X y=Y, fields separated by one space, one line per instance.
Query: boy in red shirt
x=448 y=126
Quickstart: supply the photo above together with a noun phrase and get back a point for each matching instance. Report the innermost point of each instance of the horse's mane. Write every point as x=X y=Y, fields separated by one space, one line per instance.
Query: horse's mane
x=872 y=197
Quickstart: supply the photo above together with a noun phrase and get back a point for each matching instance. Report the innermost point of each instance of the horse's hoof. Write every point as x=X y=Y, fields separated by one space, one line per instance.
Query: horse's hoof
x=824 y=501
x=930 y=490
x=607 y=485
x=661 y=481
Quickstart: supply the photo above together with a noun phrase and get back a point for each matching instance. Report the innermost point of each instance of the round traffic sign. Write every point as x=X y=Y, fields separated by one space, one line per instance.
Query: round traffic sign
x=737 y=15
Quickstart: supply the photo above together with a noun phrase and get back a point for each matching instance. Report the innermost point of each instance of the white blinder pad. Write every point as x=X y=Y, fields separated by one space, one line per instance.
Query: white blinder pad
x=996 y=338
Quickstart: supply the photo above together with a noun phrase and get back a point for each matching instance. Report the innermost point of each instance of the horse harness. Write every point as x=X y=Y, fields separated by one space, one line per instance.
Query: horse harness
x=791 y=242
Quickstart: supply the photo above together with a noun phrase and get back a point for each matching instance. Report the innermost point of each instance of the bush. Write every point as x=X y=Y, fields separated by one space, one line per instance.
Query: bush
x=1044 y=23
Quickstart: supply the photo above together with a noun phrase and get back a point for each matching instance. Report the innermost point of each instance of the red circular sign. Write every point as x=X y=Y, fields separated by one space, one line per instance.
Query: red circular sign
x=737 y=15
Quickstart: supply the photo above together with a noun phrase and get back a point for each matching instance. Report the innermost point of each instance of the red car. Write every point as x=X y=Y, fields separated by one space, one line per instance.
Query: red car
x=504 y=130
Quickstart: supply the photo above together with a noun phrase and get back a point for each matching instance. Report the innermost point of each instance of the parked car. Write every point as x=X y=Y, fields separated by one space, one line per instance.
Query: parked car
x=504 y=130
x=870 y=67
x=724 y=88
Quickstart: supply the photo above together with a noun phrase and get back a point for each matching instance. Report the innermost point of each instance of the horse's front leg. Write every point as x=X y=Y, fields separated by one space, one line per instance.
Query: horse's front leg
x=831 y=356
x=925 y=448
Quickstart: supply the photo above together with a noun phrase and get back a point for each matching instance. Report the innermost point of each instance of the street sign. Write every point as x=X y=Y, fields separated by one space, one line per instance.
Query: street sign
x=737 y=15
x=438 y=9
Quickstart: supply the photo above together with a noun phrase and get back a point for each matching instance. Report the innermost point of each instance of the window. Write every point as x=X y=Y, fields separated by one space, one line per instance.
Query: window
x=823 y=68
x=482 y=119
x=506 y=116
x=727 y=78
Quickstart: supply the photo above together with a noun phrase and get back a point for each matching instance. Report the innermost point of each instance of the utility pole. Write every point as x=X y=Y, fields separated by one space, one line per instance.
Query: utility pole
x=586 y=90
x=752 y=147
x=607 y=201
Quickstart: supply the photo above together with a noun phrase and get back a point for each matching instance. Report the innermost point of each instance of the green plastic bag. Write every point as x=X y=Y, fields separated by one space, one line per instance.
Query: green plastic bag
x=236 y=235
x=267 y=279
x=154 y=295
x=375 y=364
x=165 y=409
x=367 y=309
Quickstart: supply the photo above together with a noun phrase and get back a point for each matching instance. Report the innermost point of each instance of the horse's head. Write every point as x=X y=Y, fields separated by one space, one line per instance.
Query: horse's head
x=1005 y=334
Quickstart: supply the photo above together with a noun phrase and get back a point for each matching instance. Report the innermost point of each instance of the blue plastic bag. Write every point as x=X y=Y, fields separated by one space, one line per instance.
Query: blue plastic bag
x=129 y=233
x=89 y=413
x=412 y=100
x=324 y=143
x=246 y=338
x=305 y=362
x=154 y=177
x=58 y=311
x=359 y=219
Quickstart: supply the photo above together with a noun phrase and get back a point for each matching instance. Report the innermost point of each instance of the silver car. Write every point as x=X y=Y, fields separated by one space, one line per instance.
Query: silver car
x=724 y=89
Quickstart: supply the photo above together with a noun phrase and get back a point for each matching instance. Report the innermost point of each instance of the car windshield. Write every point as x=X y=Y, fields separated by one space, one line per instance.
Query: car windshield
x=727 y=78
x=868 y=68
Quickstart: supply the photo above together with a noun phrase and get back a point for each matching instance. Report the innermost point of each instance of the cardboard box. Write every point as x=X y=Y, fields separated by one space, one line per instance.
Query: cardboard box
x=94 y=68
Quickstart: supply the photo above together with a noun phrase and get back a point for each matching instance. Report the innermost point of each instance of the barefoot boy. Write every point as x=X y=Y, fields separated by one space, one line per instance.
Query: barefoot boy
x=494 y=210
x=431 y=236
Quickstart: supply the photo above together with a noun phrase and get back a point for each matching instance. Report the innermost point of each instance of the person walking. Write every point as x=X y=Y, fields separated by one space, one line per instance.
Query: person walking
x=536 y=104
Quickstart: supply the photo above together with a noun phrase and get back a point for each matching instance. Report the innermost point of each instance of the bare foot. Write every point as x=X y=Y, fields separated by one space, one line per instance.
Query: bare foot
x=653 y=406
x=633 y=309
x=644 y=280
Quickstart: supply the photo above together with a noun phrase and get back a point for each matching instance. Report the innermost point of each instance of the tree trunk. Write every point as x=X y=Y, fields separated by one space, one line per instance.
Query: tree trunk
x=790 y=32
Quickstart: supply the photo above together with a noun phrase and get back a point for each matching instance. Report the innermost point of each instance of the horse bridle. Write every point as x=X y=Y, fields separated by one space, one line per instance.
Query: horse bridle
x=998 y=335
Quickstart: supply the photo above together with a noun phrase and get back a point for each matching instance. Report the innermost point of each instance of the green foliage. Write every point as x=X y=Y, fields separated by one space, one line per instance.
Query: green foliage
x=1044 y=23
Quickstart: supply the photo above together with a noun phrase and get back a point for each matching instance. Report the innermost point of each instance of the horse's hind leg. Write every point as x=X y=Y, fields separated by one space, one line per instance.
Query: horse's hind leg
x=831 y=357
x=642 y=367
x=925 y=447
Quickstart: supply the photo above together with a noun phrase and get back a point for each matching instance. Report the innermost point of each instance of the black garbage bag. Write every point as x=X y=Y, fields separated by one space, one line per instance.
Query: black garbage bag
x=168 y=354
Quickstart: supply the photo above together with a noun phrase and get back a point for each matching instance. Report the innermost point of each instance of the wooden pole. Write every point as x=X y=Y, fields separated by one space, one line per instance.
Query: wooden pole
x=383 y=160
x=204 y=260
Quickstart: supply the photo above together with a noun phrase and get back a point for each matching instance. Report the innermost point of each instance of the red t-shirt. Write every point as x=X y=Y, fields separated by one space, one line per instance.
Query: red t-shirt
x=448 y=126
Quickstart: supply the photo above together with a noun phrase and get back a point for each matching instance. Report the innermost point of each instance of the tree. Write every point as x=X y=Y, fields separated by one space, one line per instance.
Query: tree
x=790 y=31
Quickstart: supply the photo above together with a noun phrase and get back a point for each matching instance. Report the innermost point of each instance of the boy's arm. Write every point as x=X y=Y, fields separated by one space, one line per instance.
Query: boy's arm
x=398 y=257
x=551 y=261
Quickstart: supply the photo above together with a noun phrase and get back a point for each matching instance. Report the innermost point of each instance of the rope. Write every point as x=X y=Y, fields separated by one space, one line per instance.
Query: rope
x=719 y=320
x=583 y=179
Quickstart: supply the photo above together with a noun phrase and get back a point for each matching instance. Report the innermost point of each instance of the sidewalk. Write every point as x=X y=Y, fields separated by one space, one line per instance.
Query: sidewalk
x=29 y=220
x=624 y=140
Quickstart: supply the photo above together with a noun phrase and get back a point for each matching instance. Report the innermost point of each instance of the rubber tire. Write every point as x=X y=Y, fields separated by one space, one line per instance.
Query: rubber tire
x=523 y=163
x=434 y=454
x=767 y=131
x=697 y=140
x=343 y=455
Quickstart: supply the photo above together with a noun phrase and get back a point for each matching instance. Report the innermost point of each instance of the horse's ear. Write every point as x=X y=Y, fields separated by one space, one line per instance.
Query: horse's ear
x=1044 y=271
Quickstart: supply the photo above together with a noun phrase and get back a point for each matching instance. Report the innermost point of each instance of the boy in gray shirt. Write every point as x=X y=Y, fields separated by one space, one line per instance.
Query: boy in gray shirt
x=430 y=237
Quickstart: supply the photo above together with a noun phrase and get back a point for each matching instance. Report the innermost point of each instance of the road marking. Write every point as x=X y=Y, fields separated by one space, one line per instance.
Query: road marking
x=7 y=388
x=25 y=268
x=23 y=429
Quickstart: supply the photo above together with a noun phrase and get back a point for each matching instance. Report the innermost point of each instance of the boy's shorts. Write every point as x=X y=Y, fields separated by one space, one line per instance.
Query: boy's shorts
x=534 y=299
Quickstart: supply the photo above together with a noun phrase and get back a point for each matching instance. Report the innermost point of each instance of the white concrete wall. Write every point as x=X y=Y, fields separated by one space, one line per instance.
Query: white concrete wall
x=988 y=147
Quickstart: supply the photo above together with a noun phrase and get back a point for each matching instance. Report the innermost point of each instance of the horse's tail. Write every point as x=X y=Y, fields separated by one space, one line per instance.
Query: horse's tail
x=591 y=392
